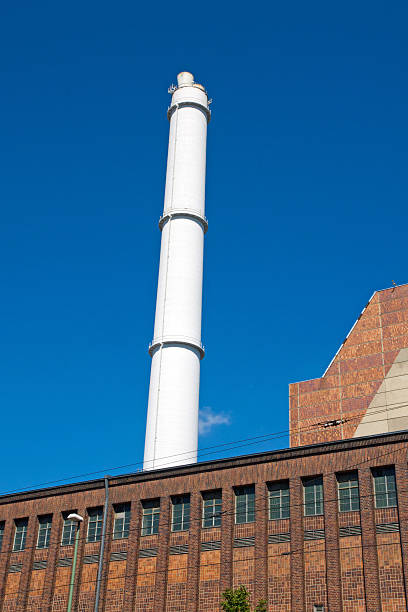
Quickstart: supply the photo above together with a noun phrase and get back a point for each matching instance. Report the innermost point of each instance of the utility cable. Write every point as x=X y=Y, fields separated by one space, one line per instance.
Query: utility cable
x=259 y=440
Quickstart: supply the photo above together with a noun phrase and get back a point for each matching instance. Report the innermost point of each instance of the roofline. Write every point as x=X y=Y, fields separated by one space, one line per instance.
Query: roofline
x=214 y=464
x=351 y=329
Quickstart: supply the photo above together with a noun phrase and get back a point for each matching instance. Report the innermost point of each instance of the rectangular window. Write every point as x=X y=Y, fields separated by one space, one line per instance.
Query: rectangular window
x=150 y=517
x=245 y=504
x=44 y=531
x=121 y=521
x=384 y=487
x=212 y=507
x=278 y=500
x=2 y=524
x=180 y=519
x=349 y=497
x=20 y=534
x=68 y=529
x=95 y=524
x=318 y=608
x=313 y=495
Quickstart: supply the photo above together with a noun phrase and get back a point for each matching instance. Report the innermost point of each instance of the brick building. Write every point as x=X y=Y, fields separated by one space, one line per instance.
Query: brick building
x=319 y=527
x=365 y=386
x=322 y=526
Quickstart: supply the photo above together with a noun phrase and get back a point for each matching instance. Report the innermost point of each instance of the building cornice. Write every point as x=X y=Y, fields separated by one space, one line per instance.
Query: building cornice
x=213 y=465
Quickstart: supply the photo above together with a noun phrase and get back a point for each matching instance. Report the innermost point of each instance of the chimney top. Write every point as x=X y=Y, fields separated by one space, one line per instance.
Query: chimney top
x=185 y=79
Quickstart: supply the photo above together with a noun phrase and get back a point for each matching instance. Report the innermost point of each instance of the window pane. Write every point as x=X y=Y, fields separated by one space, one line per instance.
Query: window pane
x=278 y=500
x=313 y=496
x=68 y=530
x=245 y=504
x=212 y=507
x=384 y=487
x=95 y=524
x=150 y=518
x=348 y=491
x=20 y=534
x=44 y=531
x=180 y=513
x=2 y=524
x=121 y=521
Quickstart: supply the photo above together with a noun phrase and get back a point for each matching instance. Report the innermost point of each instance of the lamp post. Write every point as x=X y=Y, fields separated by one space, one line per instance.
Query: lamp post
x=78 y=519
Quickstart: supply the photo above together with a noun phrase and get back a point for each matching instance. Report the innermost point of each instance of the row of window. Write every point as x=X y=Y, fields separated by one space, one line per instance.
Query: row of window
x=278 y=498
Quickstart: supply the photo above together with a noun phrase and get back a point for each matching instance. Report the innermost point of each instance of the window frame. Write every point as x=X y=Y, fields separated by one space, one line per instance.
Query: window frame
x=20 y=536
x=70 y=526
x=284 y=494
x=212 y=501
x=123 y=532
x=245 y=496
x=47 y=518
x=348 y=497
x=184 y=521
x=318 y=504
x=95 y=522
x=2 y=529
x=389 y=492
x=150 y=517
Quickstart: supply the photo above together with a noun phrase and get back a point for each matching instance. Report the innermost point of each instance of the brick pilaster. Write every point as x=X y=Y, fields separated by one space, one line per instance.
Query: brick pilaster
x=27 y=560
x=193 y=570
x=56 y=534
x=228 y=520
x=162 y=556
x=261 y=542
x=106 y=559
x=296 y=545
x=132 y=556
x=369 y=543
x=401 y=475
x=333 y=572
x=5 y=557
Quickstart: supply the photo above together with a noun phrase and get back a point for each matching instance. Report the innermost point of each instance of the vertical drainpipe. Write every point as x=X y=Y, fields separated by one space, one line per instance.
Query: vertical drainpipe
x=102 y=550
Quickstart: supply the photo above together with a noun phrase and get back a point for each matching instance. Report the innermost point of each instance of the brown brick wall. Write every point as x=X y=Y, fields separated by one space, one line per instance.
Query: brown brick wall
x=349 y=385
x=346 y=574
x=279 y=587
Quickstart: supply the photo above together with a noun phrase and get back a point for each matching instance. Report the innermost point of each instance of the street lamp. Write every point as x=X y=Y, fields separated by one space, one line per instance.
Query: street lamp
x=78 y=519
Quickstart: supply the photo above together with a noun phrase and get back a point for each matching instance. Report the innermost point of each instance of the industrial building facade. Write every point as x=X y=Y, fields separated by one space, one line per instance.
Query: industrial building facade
x=322 y=526
x=313 y=528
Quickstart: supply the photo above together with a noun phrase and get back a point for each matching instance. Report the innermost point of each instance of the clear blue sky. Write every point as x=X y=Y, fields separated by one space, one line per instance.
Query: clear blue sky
x=306 y=199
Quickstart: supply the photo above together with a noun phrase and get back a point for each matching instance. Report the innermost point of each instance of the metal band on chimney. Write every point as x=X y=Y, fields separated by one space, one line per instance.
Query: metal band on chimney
x=184 y=212
x=201 y=107
x=176 y=340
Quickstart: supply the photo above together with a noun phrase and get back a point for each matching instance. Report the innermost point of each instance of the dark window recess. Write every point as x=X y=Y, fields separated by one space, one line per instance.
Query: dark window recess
x=278 y=493
x=20 y=534
x=313 y=496
x=212 y=508
x=245 y=504
x=150 y=517
x=180 y=519
x=44 y=531
x=121 y=522
x=68 y=529
x=385 y=491
x=2 y=525
x=349 y=496
x=95 y=524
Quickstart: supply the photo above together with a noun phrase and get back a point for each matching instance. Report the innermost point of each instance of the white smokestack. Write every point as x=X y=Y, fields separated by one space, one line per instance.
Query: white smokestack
x=176 y=349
